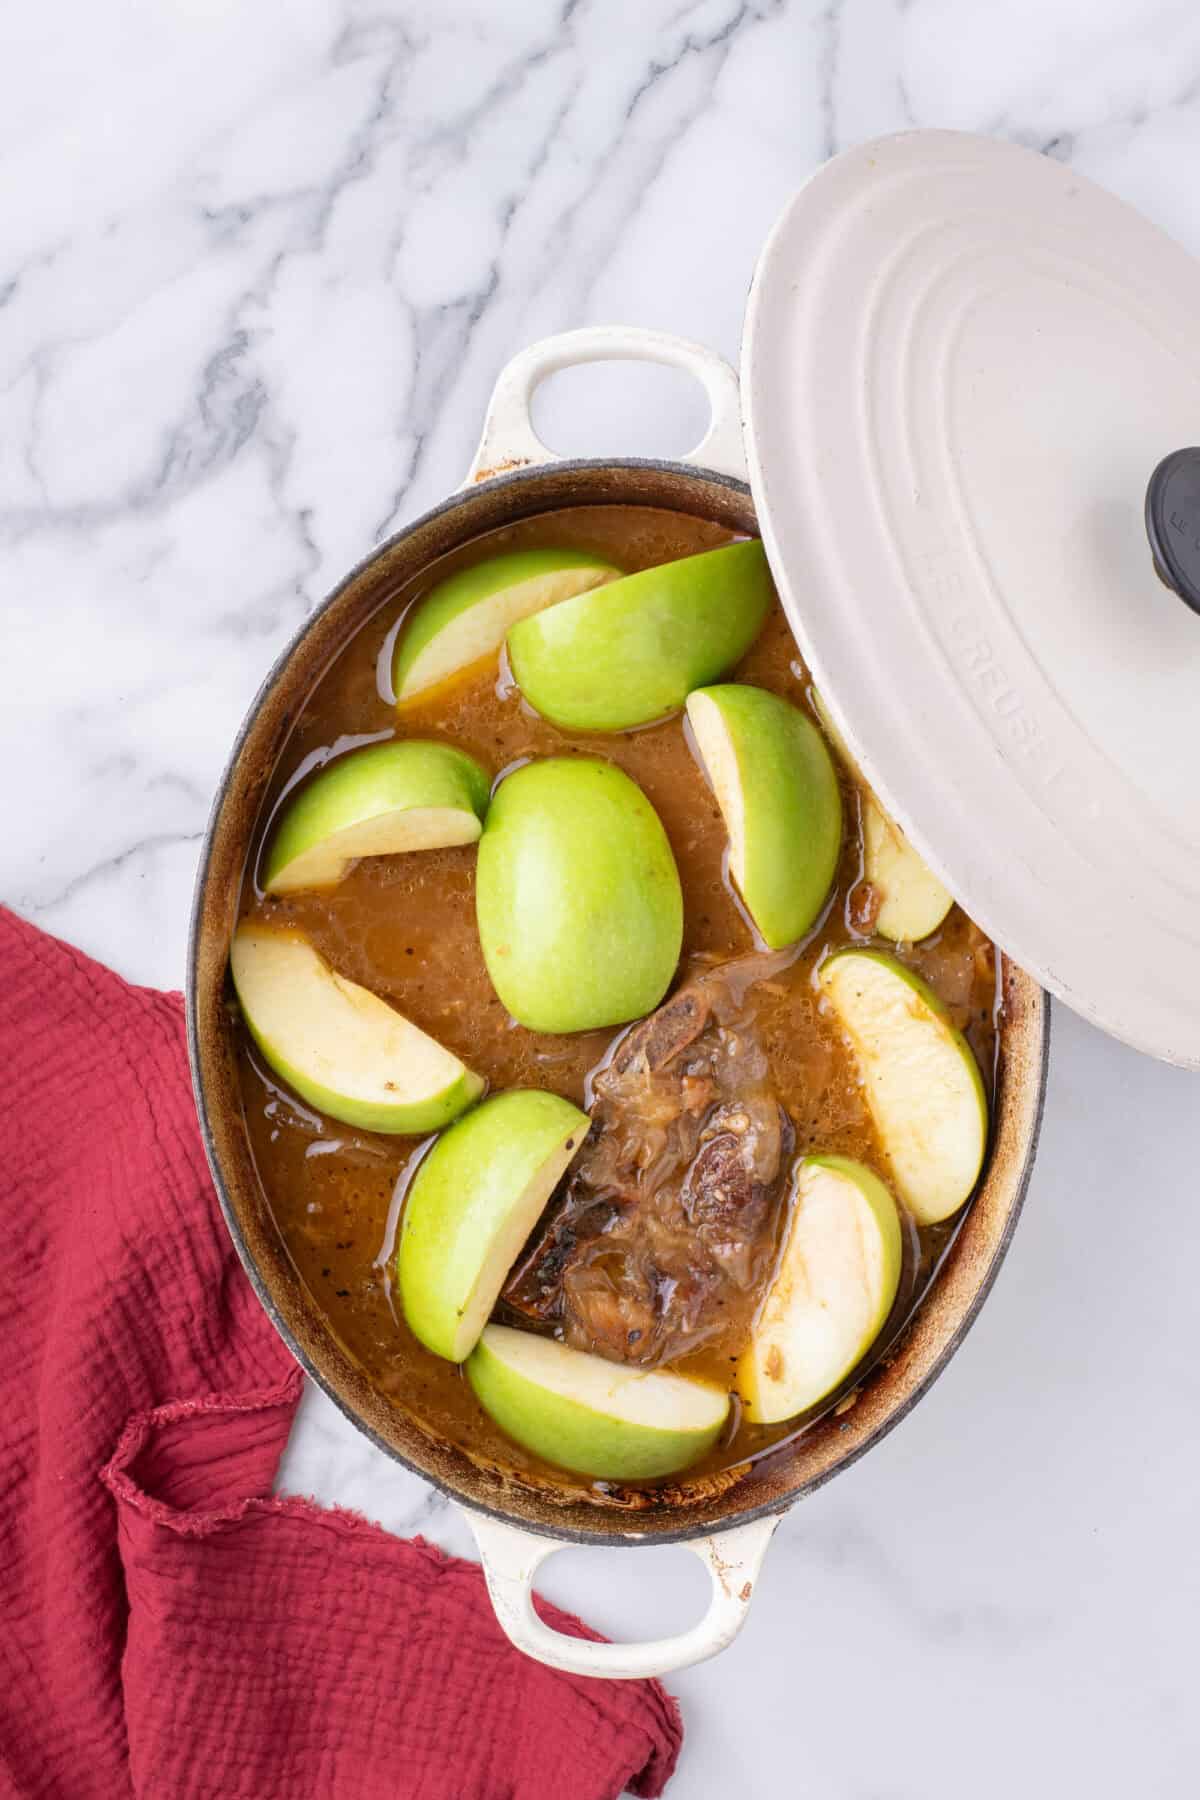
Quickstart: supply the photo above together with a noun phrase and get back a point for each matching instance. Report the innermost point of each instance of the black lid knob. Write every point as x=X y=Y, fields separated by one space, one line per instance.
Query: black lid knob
x=1173 y=523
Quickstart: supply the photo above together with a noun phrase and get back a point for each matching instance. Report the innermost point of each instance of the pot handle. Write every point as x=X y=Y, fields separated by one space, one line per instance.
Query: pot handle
x=511 y=1557
x=509 y=440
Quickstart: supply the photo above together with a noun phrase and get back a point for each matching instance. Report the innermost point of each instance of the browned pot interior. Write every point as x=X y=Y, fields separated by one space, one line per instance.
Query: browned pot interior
x=883 y=1397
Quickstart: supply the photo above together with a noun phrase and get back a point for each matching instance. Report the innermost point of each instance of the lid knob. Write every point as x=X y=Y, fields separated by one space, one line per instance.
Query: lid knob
x=1173 y=523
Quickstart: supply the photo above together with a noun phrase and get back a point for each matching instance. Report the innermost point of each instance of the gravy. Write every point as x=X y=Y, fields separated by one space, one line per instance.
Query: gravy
x=404 y=926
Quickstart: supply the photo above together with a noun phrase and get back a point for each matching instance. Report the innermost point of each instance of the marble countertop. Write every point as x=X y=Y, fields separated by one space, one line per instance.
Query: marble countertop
x=259 y=267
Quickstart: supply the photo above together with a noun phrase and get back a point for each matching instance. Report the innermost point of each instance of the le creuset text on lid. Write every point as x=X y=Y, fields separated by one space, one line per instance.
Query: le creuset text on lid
x=963 y=365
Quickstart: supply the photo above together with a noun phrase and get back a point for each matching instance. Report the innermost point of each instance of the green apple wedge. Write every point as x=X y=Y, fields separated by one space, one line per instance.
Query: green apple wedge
x=777 y=789
x=377 y=801
x=577 y=896
x=833 y=1288
x=466 y=617
x=473 y=1202
x=594 y=1417
x=631 y=652
x=342 y=1048
x=912 y=901
x=919 y=1075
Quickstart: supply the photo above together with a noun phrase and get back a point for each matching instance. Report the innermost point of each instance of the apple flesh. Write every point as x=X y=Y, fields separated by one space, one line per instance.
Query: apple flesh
x=473 y=1202
x=777 y=789
x=919 y=1075
x=594 y=1417
x=577 y=897
x=631 y=652
x=465 y=618
x=342 y=1048
x=833 y=1289
x=912 y=901
x=377 y=801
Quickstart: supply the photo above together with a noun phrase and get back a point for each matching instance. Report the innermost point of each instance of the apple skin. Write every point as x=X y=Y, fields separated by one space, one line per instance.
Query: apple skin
x=282 y=984
x=631 y=652
x=577 y=897
x=913 y=901
x=378 y=800
x=504 y=1375
x=472 y=1204
x=464 y=618
x=834 y=1286
x=778 y=792
x=920 y=1077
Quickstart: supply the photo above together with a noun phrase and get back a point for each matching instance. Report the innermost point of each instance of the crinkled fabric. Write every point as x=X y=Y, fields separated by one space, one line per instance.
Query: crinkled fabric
x=170 y=1628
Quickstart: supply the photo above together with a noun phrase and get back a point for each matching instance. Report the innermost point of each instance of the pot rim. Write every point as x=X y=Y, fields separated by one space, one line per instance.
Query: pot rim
x=630 y=1536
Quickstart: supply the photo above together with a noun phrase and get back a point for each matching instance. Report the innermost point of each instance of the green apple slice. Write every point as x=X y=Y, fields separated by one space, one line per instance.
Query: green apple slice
x=577 y=896
x=833 y=1289
x=473 y=1202
x=920 y=1077
x=777 y=789
x=631 y=652
x=594 y=1417
x=342 y=1048
x=377 y=801
x=466 y=617
x=912 y=901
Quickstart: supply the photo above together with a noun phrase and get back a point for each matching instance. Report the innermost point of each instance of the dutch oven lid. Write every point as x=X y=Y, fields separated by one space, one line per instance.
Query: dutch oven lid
x=971 y=382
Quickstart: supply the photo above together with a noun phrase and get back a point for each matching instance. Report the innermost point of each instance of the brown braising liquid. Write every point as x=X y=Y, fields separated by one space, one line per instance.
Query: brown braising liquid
x=404 y=926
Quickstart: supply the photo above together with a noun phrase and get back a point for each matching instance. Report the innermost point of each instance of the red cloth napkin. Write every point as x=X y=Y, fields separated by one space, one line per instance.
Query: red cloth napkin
x=170 y=1629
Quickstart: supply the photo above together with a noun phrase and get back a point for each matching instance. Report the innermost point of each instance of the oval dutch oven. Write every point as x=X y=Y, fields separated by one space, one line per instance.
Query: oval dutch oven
x=865 y=500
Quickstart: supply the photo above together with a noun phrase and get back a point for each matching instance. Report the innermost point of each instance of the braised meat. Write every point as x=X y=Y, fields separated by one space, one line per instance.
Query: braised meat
x=729 y=1190
x=639 y=1294
x=574 y=1217
x=661 y=1238
x=657 y=1040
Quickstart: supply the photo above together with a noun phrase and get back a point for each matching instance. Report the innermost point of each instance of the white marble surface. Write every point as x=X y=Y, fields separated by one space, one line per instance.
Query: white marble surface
x=258 y=268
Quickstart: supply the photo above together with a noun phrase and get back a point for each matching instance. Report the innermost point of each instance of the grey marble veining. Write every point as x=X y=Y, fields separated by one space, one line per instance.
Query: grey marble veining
x=259 y=267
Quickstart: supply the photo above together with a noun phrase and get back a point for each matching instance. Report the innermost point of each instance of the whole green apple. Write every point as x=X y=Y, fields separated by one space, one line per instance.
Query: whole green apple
x=577 y=896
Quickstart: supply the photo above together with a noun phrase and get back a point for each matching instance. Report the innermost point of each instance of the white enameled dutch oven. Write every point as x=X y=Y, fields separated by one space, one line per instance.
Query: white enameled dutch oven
x=962 y=365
